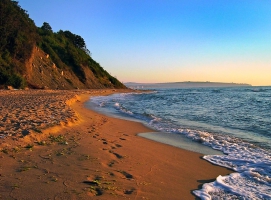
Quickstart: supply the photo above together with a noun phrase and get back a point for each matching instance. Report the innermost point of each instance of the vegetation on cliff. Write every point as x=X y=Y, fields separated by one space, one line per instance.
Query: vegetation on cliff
x=21 y=65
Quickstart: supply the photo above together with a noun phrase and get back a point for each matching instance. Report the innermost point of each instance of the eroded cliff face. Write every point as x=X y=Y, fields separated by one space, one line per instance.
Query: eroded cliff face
x=42 y=73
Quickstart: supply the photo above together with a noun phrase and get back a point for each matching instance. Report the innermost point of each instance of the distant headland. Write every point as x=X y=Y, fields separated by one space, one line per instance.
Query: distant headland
x=185 y=84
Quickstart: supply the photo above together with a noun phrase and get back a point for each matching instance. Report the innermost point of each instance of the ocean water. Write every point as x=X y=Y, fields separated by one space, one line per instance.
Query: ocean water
x=235 y=121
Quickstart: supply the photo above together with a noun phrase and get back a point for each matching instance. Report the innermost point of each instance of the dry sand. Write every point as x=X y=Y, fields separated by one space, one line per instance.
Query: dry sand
x=86 y=155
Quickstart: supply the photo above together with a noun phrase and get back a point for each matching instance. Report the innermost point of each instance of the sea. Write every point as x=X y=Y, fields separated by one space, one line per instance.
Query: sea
x=231 y=126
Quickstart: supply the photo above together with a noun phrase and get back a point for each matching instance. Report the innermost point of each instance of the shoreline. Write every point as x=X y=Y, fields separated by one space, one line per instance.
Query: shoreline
x=103 y=158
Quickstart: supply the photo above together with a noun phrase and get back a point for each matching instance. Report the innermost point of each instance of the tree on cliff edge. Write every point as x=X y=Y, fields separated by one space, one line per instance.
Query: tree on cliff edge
x=46 y=28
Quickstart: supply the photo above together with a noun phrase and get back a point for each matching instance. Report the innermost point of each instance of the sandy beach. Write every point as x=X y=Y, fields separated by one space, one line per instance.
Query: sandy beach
x=52 y=147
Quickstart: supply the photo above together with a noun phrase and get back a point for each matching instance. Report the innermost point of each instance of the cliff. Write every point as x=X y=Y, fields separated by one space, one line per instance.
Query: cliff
x=38 y=58
x=42 y=73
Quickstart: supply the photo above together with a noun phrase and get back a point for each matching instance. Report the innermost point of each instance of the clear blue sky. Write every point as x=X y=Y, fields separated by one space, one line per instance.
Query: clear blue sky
x=169 y=40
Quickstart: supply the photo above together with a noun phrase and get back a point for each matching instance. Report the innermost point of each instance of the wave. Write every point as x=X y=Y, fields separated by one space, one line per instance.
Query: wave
x=235 y=186
x=252 y=179
x=123 y=109
x=251 y=163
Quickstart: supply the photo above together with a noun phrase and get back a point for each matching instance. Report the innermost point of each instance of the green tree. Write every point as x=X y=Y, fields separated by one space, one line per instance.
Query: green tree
x=46 y=28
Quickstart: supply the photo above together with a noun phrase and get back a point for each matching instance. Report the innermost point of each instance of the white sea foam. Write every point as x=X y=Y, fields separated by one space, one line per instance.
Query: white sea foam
x=122 y=109
x=102 y=104
x=252 y=179
x=154 y=119
x=234 y=186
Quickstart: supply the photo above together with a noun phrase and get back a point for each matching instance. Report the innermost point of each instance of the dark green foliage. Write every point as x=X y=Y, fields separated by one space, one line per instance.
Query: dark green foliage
x=14 y=80
x=46 y=28
x=63 y=51
x=18 y=37
x=17 y=81
x=17 y=30
x=77 y=40
x=4 y=76
x=115 y=81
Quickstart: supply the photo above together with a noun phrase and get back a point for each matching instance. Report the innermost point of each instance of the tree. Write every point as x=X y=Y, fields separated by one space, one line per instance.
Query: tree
x=47 y=29
x=79 y=42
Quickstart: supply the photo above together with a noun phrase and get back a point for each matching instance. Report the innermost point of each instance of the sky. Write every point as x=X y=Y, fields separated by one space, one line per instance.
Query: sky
x=155 y=41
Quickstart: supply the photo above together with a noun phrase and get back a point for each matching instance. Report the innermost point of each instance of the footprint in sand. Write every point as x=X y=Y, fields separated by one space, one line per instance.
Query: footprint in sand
x=116 y=146
x=116 y=154
x=104 y=141
x=127 y=175
x=129 y=191
x=110 y=164
x=95 y=186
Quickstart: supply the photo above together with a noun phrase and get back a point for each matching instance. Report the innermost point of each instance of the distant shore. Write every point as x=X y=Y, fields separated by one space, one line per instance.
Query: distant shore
x=82 y=154
x=186 y=84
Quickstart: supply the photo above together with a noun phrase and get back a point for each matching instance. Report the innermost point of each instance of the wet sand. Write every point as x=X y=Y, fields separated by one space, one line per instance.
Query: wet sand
x=86 y=155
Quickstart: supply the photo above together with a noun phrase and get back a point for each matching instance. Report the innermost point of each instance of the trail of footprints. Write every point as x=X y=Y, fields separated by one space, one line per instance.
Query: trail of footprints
x=110 y=146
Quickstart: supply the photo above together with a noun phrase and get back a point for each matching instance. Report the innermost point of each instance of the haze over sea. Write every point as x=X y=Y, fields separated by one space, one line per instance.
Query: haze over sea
x=233 y=120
